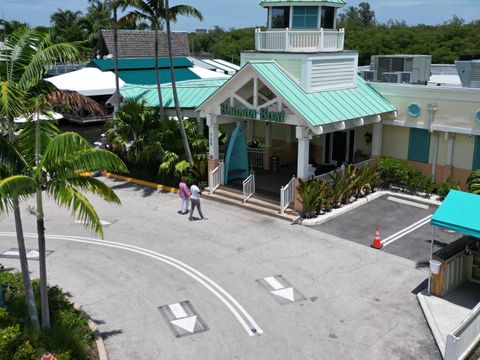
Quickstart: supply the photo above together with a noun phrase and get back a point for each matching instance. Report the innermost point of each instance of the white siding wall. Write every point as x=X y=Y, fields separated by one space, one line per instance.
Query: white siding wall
x=331 y=73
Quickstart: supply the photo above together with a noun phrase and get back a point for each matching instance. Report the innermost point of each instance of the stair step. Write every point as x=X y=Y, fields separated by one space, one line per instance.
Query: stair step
x=235 y=197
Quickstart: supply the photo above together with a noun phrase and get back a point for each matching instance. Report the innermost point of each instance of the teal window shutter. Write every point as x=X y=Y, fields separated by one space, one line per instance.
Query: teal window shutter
x=419 y=145
x=476 y=154
x=305 y=17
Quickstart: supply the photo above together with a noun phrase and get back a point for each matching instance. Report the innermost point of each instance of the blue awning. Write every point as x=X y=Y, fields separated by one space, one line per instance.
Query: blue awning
x=460 y=212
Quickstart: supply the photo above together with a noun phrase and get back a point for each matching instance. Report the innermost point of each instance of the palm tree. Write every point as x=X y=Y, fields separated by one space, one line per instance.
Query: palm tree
x=153 y=11
x=68 y=25
x=58 y=167
x=171 y=15
x=27 y=56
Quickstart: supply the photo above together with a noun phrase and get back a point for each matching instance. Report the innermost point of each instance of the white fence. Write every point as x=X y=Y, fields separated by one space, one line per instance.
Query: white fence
x=299 y=40
x=462 y=340
x=216 y=178
x=255 y=158
x=455 y=272
x=287 y=195
x=248 y=187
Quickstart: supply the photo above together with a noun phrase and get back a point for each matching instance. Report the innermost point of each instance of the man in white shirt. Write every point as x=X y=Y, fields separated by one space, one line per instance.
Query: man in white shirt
x=195 y=201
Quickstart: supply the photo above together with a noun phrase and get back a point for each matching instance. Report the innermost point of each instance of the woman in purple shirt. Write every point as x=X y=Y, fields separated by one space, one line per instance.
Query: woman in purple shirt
x=184 y=193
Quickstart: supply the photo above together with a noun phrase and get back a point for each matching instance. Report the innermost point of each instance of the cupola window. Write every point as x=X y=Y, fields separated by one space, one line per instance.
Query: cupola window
x=328 y=17
x=280 y=17
x=305 y=17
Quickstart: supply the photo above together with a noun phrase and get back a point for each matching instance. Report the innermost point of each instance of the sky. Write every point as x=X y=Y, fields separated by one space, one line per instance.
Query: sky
x=247 y=13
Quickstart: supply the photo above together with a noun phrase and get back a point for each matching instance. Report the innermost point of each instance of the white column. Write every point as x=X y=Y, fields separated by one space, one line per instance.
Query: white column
x=268 y=135
x=303 y=137
x=200 y=125
x=288 y=133
x=212 y=137
x=435 y=153
x=377 y=139
x=450 y=139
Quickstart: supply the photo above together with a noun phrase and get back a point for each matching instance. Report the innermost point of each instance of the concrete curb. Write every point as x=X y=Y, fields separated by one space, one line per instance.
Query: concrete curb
x=421 y=297
x=362 y=201
x=102 y=350
x=141 y=182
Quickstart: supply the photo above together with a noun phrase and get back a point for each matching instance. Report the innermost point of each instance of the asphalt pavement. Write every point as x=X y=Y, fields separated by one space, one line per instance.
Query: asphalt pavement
x=392 y=217
x=237 y=286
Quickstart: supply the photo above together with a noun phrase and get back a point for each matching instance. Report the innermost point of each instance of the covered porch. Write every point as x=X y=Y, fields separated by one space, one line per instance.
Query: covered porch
x=301 y=134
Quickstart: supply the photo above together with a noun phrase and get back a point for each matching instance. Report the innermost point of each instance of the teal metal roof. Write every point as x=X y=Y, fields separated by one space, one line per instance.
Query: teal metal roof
x=459 y=212
x=147 y=77
x=139 y=63
x=323 y=107
x=281 y=2
x=190 y=93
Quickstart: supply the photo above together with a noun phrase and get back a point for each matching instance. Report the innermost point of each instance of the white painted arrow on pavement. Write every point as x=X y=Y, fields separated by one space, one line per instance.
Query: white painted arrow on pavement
x=33 y=254
x=187 y=323
x=286 y=293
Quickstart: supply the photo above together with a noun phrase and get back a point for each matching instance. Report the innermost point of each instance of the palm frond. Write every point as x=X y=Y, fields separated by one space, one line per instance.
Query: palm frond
x=91 y=159
x=17 y=186
x=185 y=10
x=94 y=186
x=12 y=100
x=72 y=100
x=68 y=197
x=11 y=162
x=45 y=57
x=62 y=146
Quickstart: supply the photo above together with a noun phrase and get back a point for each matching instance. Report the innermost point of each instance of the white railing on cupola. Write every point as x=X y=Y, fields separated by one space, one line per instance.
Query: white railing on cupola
x=286 y=40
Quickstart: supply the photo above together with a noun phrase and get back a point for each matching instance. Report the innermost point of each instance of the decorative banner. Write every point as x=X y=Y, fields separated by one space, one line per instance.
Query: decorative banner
x=263 y=114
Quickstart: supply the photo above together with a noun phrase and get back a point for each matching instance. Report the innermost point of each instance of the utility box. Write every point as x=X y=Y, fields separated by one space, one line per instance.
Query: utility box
x=411 y=69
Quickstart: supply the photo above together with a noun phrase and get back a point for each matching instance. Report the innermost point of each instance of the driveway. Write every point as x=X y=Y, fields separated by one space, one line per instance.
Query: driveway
x=237 y=286
x=404 y=227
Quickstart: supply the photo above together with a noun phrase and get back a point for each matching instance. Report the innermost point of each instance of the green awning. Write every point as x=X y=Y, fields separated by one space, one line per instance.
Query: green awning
x=147 y=77
x=190 y=93
x=459 y=212
x=139 y=63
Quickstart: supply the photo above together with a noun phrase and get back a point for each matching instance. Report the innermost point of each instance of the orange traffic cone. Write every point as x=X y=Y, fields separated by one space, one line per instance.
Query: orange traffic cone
x=377 y=242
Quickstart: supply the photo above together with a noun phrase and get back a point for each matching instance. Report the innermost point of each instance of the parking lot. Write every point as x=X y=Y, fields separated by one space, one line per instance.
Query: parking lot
x=404 y=227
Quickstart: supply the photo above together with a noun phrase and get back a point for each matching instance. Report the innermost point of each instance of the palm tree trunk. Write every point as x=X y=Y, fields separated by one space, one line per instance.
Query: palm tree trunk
x=157 y=74
x=186 y=146
x=41 y=234
x=117 y=98
x=43 y=262
x=27 y=284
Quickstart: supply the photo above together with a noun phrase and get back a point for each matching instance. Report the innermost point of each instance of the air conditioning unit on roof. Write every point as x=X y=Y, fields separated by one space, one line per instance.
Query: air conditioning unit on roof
x=390 y=77
x=403 y=77
x=368 y=75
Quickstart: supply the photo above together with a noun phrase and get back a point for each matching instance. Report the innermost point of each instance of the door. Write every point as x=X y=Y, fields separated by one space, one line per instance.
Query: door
x=339 y=147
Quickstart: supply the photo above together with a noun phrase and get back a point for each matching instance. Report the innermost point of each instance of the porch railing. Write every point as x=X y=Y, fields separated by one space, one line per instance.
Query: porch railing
x=216 y=178
x=287 y=195
x=255 y=157
x=248 y=187
x=326 y=176
x=462 y=340
x=299 y=40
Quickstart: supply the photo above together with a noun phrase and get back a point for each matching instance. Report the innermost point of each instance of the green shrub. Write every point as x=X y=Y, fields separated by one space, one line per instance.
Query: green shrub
x=446 y=186
x=10 y=340
x=310 y=192
x=473 y=182
x=25 y=352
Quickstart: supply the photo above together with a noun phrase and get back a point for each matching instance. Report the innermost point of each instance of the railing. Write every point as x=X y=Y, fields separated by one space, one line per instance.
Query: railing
x=248 y=188
x=255 y=157
x=287 y=195
x=462 y=340
x=215 y=178
x=299 y=40
x=326 y=176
